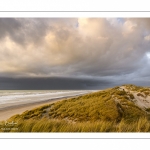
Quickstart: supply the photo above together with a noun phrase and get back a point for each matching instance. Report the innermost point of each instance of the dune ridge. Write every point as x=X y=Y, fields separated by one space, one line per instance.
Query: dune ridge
x=120 y=109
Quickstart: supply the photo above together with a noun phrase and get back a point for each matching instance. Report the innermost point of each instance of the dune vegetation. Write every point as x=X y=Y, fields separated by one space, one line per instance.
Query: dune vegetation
x=111 y=110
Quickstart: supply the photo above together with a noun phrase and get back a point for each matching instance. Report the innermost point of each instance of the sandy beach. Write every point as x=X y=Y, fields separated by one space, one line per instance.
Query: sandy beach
x=7 y=112
x=13 y=98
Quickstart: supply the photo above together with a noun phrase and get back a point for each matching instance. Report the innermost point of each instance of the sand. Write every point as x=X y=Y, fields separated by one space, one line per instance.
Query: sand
x=6 y=113
x=142 y=102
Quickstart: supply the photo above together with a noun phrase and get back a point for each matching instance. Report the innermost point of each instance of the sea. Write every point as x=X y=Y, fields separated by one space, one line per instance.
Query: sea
x=9 y=98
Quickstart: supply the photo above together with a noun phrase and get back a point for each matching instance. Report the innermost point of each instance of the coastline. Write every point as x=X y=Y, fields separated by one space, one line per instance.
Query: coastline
x=7 y=112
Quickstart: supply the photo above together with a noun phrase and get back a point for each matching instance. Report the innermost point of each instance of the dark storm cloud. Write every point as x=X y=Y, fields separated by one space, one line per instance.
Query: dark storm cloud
x=52 y=83
x=91 y=48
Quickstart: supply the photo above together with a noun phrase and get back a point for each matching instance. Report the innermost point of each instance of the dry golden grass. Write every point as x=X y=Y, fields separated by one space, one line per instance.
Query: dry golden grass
x=110 y=110
x=54 y=125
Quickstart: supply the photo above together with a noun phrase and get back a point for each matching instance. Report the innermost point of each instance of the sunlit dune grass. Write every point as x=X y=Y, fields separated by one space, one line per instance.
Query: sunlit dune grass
x=110 y=110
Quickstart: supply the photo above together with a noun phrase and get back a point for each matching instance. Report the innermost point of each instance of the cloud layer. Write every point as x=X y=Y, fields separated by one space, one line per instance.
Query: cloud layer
x=115 y=49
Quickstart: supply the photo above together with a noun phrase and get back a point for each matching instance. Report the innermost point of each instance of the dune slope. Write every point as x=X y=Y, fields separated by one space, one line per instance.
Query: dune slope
x=119 y=109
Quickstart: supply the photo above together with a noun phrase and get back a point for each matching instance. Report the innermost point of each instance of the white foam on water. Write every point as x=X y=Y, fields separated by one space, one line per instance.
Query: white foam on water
x=10 y=98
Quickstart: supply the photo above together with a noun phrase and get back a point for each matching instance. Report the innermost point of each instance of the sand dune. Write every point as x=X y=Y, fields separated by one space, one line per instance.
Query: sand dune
x=10 y=110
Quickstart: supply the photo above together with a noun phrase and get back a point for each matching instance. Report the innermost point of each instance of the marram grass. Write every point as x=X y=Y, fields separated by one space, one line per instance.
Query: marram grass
x=52 y=125
x=111 y=110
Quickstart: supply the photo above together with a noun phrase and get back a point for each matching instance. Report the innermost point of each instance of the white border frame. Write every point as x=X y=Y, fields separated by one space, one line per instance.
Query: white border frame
x=73 y=14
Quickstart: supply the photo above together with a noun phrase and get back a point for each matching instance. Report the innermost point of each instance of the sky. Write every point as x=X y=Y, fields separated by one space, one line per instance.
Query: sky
x=74 y=53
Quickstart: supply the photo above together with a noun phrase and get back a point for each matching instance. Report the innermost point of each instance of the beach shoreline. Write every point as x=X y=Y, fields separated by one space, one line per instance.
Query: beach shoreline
x=7 y=112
